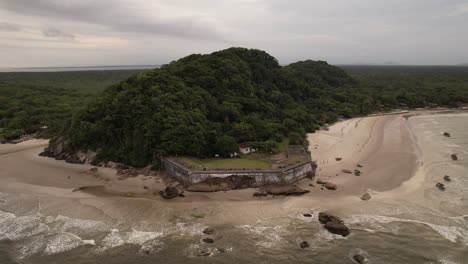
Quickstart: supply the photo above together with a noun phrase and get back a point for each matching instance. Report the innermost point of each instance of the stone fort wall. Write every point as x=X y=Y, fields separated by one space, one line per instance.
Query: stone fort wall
x=189 y=176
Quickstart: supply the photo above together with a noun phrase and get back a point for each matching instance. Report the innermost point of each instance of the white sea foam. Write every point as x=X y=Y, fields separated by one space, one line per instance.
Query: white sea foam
x=269 y=236
x=451 y=233
x=62 y=242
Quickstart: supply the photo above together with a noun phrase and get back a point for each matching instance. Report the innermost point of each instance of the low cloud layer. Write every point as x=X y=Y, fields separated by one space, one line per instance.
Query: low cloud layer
x=86 y=32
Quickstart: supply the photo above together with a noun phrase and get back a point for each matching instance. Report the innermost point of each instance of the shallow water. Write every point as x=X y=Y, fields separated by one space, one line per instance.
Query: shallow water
x=428 y=226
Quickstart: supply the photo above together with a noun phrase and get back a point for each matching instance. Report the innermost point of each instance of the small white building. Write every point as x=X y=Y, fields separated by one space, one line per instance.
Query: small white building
x=246 y=148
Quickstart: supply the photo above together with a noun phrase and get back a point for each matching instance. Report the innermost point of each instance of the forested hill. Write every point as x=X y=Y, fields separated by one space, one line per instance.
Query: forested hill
x=203 y=105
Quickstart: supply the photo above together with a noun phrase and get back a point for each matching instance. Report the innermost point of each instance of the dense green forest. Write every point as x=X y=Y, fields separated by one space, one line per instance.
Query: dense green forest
x=31 y=100
x=203 y=105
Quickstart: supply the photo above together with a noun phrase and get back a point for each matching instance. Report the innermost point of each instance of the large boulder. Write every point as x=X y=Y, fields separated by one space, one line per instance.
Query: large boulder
x=326 y=217
x=333 y=224
x=172 y=191
x=337 y=228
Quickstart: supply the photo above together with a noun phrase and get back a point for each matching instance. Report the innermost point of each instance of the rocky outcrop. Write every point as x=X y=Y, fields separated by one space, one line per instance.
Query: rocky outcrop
x=333 y=224
x=172 y=191
x=320 y=181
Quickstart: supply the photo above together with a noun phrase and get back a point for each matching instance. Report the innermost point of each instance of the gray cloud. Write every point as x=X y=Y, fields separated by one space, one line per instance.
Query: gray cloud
x=58 y=34
x=156 y=32
x=116 y=16
x=4 y=26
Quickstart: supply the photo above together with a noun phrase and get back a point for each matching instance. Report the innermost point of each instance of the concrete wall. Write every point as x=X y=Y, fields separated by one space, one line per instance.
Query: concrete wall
x=188 y=176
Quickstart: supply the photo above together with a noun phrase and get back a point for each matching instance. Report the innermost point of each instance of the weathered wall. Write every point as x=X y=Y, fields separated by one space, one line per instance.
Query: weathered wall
x=188 y=176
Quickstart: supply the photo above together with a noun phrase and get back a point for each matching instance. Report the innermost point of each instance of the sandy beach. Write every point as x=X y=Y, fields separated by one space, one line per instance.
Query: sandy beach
x=390 y=149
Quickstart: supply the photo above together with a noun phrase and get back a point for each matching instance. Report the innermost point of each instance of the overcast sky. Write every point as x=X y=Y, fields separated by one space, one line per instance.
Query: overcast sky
x=136 y=32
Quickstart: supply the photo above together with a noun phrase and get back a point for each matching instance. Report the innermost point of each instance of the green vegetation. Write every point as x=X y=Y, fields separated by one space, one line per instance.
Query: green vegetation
x=31 y=100
x=389 y=87
x=248 y=161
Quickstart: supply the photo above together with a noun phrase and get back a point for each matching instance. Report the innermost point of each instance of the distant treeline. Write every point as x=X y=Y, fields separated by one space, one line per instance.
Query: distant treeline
x=31 y=100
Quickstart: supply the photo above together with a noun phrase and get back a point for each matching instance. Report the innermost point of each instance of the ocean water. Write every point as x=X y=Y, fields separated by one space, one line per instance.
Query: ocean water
x=429 y=226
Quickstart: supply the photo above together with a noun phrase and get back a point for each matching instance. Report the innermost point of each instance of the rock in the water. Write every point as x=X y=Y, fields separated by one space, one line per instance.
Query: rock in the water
x=208 y=231
x=320 y=181
x=307 y=215
x=366 y=197
x=447 y=134
x=441 y=186
x=357 y=172
x=208 y=240
x=447 y=178
x=347 y=171
x=304 y=244
x=204 y=254
x=331 y=186
x=338 y=228
x=325 y=218
x=359 y=165
x=359 y=258
x=454 y=157
x=172 y=191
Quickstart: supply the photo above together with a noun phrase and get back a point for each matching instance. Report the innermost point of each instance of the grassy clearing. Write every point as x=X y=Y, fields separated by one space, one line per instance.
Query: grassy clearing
x=250 y=162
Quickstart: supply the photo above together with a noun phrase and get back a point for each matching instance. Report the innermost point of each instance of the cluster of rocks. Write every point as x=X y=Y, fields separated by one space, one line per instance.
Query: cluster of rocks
x=285 y=190
x=209 y=240
x=333 y=224
x=328 y=185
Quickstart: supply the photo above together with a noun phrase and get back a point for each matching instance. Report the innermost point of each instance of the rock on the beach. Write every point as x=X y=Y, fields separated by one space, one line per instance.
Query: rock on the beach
x=204 y=254
x=441 y=186
x=208 y=231
x=447 y=134
x=454 y=157
x=447 y=178
x=304 y=244
x=337 y=228
x=357 y=172
x=347 y=171
x=208 y=240
x=338 y=158
x=285 y=190
x=331 y=186
x=172 y=191
x=320 y=181
x=260 y=194
x=366 y=197
x=359 y=259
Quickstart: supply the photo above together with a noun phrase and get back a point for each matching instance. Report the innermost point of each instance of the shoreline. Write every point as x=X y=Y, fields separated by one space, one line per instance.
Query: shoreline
x=368 y=140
